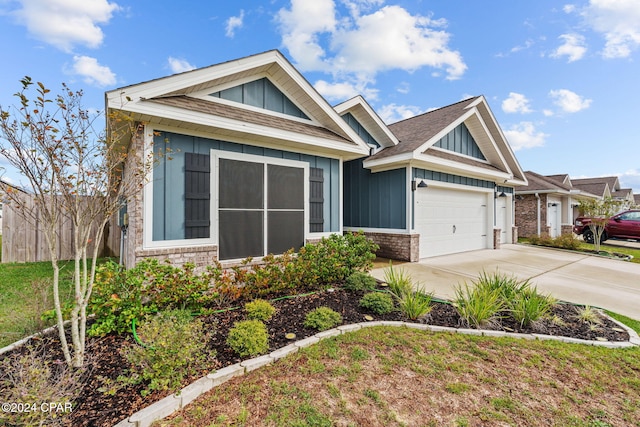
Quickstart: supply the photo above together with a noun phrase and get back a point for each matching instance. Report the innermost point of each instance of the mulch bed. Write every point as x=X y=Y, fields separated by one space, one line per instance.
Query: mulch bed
x=93 y=408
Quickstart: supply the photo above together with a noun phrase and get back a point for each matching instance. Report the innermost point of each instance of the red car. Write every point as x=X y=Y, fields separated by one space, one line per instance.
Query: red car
x=625 y=225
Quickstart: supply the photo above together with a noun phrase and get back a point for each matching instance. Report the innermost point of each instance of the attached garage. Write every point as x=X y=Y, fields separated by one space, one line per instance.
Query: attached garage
x=451 y=220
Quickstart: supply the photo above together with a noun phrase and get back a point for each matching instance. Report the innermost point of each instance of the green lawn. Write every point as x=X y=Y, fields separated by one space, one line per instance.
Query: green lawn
x=25 y=293
x=604 y=247
x=397 y=377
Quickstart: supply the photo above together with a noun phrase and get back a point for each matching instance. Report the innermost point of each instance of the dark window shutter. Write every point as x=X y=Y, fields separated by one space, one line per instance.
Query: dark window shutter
x=197 y=194
x=316 y=200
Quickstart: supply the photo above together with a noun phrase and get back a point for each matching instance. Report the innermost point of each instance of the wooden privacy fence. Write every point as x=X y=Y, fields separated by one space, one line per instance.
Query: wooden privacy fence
x=23 y=239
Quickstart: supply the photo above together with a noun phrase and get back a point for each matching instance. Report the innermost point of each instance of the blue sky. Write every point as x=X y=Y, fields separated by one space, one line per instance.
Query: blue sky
x=562 y=78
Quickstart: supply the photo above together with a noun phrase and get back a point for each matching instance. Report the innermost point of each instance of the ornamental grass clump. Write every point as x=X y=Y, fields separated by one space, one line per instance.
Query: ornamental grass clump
x=412 y=303
x=529 y=306
x=322 y=318
x=479 y=306
x=495 y=296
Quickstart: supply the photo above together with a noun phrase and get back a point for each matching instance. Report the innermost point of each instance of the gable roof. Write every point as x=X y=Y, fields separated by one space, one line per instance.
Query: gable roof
x=543 y=184
x=418 y=134
x=183 y=101
x=369 y=119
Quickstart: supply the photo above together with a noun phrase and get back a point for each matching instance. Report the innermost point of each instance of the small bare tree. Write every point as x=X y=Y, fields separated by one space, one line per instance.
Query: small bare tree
x=74 y=173
x=599 y=212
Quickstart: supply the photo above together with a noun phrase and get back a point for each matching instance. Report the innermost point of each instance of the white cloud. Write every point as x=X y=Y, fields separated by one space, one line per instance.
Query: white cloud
x=619 y=22
x=631 y=179
x=179 y=65
x=365 y=41
x=92 y=72
x=516 y=103
x=569 y=8
x=573 y=47
x=547 y=113
x=344 y=90
x=392 y=113
x=568 y=101
x=66 y=23
x=233 y=23
x=524 y=135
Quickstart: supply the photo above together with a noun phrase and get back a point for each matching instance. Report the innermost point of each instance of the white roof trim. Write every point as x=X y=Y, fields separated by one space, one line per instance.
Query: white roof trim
x=125 y=98
x=359 y=101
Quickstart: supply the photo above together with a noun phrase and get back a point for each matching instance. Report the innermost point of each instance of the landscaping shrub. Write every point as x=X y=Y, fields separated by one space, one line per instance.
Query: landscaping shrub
x=120 y=295
x=174 y=347
x=360 y=281
x=335 y=258
x=377 y=302
x=248 y=338
x=564 y=241
x=322 y=318
x=259 y=309
x=32 y=379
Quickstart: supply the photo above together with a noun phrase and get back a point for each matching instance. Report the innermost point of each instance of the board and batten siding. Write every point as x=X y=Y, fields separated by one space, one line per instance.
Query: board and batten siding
x=169 y=180
x=374 y=200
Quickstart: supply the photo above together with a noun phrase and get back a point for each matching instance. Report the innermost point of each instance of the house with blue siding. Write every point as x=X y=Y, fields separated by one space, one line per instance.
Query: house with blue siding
x=259 y=163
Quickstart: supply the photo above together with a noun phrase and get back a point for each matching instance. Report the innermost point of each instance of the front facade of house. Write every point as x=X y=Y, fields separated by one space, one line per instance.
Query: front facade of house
x=251 y=160
x=548 y=205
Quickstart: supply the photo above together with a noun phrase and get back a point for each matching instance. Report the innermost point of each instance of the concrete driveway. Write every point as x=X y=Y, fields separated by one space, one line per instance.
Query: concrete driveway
x=578 y=278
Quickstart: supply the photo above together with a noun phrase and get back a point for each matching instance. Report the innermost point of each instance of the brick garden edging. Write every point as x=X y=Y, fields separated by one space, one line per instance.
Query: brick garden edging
x=170 y=404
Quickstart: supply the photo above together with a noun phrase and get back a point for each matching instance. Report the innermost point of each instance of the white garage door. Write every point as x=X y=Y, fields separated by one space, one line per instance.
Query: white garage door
x=450 y=221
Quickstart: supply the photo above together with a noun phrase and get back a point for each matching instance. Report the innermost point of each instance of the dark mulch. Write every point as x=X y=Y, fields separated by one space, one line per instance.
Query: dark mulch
x=93 y=408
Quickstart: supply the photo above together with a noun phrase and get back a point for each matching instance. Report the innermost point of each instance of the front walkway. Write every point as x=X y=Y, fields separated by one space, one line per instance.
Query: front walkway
x=578 y=278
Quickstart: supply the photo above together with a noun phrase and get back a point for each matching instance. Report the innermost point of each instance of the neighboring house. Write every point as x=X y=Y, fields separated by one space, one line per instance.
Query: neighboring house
x=636 y=199
x=608 y=186
x=548 y=204
x=261 y=163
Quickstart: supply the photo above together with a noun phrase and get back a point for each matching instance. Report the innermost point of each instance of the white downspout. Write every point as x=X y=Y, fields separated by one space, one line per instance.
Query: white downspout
x=538 y=213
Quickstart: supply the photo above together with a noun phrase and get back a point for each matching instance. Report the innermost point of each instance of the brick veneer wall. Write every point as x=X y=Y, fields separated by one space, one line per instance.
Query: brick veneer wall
x=527 y=215
x=403 y=247
x=496 y=238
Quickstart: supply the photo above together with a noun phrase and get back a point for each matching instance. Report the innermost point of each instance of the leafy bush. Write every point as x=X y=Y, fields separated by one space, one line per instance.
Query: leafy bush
x=30 y=378
x=377 y=302
x=322 y=318
x=335 y=258
x=564 y=241
x=259 y=309
x=248 y=338
x=360 y=281
x=175 y=346
x=120 y=295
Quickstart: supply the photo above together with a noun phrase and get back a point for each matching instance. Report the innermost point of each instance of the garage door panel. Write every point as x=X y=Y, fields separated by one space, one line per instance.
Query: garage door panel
x=450 y=221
